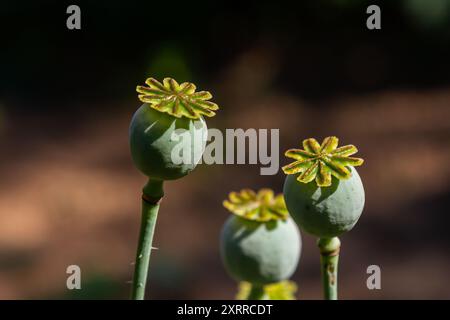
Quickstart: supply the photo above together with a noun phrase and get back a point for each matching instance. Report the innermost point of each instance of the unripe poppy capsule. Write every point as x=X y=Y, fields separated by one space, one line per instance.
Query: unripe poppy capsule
x=167 y=140
x=260 y=243
x=323 y=192
x=325 y=212
x=169 y=123
x=155 y=138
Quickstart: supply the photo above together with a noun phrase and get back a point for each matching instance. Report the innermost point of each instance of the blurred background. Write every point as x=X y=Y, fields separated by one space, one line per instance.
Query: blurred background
x=69 y=193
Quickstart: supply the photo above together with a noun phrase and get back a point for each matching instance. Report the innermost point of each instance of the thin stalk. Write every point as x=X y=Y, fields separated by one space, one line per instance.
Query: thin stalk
x=329 y=258
x=151 y=197
x=256 y=293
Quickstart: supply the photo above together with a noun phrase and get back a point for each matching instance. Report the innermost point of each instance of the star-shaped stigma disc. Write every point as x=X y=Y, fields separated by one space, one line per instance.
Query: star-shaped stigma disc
x=257 y=206
x=321 y=161
x=178 y=100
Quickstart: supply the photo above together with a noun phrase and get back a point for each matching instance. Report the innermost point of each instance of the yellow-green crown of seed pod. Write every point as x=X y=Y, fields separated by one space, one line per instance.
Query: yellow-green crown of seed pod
x=321 y=161
x=283 y=290
x=178 y=100
x=257 y=206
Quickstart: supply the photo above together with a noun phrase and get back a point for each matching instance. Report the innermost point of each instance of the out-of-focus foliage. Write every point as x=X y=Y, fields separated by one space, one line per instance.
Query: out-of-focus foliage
x=120 y=43
x=96 y=287
x=169 y=60
x=428 y=14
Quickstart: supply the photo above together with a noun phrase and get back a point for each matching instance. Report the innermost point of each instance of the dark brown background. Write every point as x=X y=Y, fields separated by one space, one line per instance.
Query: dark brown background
x=69 y=193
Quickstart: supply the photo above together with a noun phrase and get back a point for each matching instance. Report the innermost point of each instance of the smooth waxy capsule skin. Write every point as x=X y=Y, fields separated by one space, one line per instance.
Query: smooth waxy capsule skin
x=154 y=139
x=260 y=253
x=325 y=211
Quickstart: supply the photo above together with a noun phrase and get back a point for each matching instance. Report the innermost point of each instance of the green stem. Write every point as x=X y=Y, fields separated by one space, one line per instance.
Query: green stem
x=256 y=293
x=152 y=194
x=329 y=258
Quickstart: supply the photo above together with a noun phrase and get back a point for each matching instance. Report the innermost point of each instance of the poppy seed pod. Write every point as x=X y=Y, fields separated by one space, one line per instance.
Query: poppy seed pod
x=154 y=144
x=168 y=124
x=323 y=192
x=325 y=196
x=167 y=140
x=260 y=243
x=325 y=211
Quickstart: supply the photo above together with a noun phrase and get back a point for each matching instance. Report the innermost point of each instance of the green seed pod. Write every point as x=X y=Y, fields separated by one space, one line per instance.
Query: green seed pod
x=169 y=124
x=323 y=193
x=152 y=143
x=167 y=140
x=260 y=244
x=325 y=211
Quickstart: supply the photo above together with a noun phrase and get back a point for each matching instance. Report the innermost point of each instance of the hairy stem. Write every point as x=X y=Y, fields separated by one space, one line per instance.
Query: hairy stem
x=151 y=196
x=256 y=293
x=329 y=257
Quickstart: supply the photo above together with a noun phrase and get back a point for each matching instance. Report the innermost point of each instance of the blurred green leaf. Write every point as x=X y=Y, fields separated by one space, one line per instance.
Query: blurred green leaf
x=169 y=61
